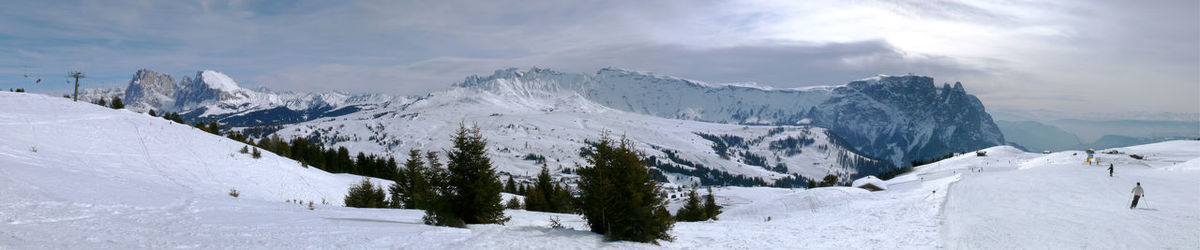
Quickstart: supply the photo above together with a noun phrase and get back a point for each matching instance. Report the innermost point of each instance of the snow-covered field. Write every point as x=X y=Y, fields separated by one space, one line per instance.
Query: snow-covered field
x=80 y=176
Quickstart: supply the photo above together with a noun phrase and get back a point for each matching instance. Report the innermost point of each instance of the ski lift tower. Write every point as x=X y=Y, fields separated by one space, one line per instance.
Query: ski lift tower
x=76 y=75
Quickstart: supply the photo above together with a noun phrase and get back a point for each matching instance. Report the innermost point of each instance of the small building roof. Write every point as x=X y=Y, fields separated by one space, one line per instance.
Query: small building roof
x=870 y=180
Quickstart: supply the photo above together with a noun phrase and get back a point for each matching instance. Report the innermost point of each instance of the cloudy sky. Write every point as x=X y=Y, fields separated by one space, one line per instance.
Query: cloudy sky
x=1053 y=56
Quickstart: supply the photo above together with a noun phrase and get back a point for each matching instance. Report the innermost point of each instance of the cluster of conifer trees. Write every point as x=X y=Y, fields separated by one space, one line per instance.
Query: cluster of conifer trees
x=467 y=191
x=693 y=211
x=328 y=159
x=544 y=196
x=114 y=104
x=617 y=195
x=170 y=116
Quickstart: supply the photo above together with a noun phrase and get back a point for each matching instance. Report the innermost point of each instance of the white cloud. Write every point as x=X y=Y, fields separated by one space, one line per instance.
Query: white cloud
x=1070 y=54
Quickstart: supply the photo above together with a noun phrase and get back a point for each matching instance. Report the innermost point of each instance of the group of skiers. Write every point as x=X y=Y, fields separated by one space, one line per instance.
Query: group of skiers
x=1137 y=190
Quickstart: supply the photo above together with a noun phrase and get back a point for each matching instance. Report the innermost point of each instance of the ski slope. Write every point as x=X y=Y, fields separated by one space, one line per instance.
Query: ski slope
x=80 y=176
x=1057 y=201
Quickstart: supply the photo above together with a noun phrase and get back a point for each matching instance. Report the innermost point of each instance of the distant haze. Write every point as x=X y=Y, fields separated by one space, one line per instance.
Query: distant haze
x=1068 y=57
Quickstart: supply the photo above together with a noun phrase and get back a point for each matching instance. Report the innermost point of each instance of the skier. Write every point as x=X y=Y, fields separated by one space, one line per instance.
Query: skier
x=1137 y=194
x=1110 y=166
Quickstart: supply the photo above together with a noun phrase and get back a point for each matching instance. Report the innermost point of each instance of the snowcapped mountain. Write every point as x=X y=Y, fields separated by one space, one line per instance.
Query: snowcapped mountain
x=528 y=122
x=150 y=90
x=899 y=118
x=211 y=95
x=894 y=118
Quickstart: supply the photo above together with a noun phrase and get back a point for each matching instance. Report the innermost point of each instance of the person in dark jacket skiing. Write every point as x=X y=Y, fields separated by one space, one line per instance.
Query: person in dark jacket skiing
x=1137 y=194
x=1110 y=166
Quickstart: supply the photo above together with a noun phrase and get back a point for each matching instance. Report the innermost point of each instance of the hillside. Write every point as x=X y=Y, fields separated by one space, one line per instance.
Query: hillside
x=82 y=150
x=523 y=126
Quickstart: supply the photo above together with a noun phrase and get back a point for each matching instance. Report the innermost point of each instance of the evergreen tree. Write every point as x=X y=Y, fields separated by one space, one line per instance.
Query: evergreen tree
x=440 y=209
x=510 y=186
x=343 y=161
x=151 y=112
x=476 y=197
x=829 y=180
x=411 y=189
x=692 y=210
x=542 y=197
x=513 y=203
x=213 y=128
x=366 y=195
x=101 y=102
x=535 y=200
x=116 y=103
x=255 y=153
x=562 y=199
x=618 y=196
x=545 y=196
x=245 y=150
x=710 y=205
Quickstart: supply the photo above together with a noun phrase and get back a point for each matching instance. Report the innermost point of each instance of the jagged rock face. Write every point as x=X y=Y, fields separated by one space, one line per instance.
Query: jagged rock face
x=211 y=95
x=153 y=90
x=899 y=118
x=208 y=87
x=907 y=114
x=149 y=89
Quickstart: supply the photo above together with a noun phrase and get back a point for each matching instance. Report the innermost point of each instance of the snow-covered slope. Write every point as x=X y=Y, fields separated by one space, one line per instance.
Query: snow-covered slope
x=54 y=148
x=1011 y=199
x=523 y=123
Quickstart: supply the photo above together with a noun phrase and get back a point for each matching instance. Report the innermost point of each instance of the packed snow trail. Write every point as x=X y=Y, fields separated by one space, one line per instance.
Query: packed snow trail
x=1057 y=201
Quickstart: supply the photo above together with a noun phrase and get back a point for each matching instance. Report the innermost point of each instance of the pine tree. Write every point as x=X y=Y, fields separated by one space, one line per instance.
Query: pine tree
x=101 y=102
x=692 y=210
x=151 y=112
x=245 y=150
x=535 y=200
x=829 y=180
x=618 y=196
x=116 y=103
x=510 y=186
x=366 y=195
x=513 y=203
x=411 y=189
x=440 y=209
x=476 y=197
x=542 y=196
x=255 y=153
x=564 y=202
x=214 y=128
x=710 y=205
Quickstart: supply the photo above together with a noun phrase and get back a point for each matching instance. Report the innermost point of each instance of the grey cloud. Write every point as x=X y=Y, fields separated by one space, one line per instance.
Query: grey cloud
x=778 y=65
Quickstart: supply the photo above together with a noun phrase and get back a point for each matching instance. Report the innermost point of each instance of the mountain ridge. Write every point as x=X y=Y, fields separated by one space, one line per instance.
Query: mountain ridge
x=934 y=121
